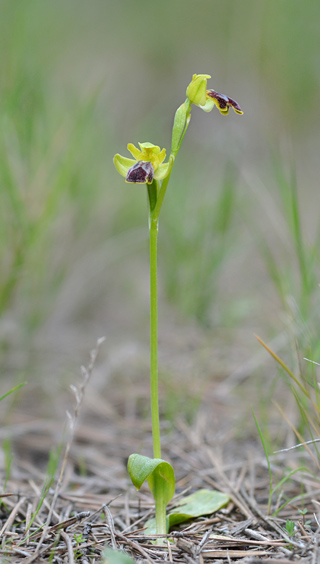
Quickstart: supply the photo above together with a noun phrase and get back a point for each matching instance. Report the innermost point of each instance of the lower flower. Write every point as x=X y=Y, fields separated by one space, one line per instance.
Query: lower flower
x=148 y=164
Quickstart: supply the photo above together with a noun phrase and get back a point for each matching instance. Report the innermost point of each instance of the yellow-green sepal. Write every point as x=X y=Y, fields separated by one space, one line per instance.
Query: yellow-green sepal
x=123 y=164
x=161 y=171
x=197 y=89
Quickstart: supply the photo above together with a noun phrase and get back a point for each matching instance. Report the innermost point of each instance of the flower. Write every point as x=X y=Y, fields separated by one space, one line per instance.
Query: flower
x=206 y=99
x=148 y=164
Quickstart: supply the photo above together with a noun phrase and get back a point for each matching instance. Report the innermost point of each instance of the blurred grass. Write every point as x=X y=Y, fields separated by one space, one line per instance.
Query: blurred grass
x=77 y=83
x=202 y=231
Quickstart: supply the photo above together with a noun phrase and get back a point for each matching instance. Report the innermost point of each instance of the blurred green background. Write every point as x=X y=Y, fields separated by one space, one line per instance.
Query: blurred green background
x=239 y=233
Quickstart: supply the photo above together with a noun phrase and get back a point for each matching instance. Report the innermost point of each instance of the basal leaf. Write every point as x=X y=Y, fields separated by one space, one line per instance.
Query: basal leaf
x=202 y=502
x=116 y=557
x=156 y=471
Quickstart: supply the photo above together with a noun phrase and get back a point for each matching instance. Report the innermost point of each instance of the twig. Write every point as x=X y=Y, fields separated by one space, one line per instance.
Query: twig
x=235 y=496
x=296 y=446
x=12 y=515
x=68 y=542
x=271 y=523
x=134 y=545
x=111 y=527
x=79 y=395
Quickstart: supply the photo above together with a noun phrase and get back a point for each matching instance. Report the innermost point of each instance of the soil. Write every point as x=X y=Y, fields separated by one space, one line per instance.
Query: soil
x=86 y=502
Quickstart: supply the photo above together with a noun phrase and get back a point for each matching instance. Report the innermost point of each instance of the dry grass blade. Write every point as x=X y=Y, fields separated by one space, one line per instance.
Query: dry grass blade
x=284 y=366
x=296 y=446
x=298 y=434
x=12 y=516
x=67 y=540
x=79 y=395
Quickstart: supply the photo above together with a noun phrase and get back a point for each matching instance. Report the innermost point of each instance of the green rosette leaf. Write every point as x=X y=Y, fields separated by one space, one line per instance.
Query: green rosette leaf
x=202 y=502
x=116 y=557
x=158 y=473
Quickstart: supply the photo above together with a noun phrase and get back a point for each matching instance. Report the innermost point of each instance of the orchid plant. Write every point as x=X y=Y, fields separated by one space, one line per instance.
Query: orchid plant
x=148 y=167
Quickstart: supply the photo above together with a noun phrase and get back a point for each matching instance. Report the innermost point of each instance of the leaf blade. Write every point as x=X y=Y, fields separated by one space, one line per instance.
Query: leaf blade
x=154 y=470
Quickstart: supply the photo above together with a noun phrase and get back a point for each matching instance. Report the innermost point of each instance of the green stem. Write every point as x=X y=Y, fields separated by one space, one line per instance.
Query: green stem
x=154 y=211
x=153 y=231
x=154 y=216
x=161 y=513
x=156 y=197
x=154 y=339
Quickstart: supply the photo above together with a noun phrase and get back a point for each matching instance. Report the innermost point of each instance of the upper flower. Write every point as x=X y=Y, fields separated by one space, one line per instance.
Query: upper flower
x=206 y=99
x=148 y=164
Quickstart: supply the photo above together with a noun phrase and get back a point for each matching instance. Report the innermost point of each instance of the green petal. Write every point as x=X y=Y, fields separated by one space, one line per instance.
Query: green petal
x=122 y=164
x=162 y=156
x=161 y=171
x=208 y=106
x=134 y=151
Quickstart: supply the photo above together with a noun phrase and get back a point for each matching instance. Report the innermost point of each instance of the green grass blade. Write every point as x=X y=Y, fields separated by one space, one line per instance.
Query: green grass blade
x=13 y=390
x=268 y=461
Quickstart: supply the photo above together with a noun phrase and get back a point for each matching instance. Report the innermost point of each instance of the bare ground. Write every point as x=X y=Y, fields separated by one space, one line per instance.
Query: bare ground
x=91 y=504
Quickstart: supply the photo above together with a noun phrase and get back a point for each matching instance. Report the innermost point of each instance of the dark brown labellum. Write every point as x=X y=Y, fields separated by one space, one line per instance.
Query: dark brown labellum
x=235 y=105
x=221 y=98
x=224 y=102
x=140 y=173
